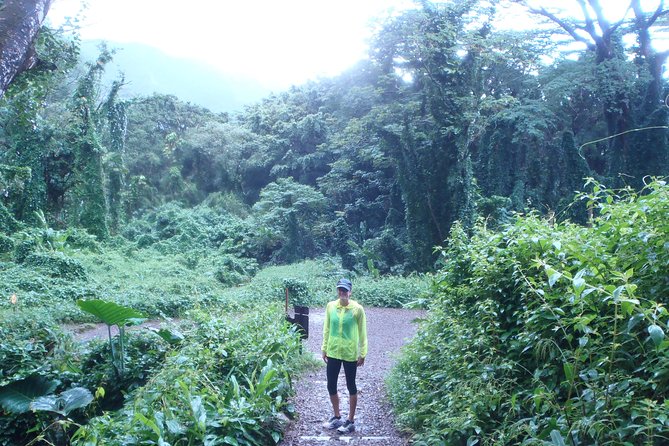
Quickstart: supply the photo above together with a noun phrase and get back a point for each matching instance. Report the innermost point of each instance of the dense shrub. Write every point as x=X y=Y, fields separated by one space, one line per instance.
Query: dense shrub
x=174 y=229
x=312 y=283
x=27 y=341
x=31 y=344
x=57 y=265
x=23 y=249
x=144 y=353
x=391 y=291
x=214 y=387
x=8 y=223
x=547 y=333
x=298 y=291
x=231 y=270
x=387 y=252
x=6 y=244
x=80 y=239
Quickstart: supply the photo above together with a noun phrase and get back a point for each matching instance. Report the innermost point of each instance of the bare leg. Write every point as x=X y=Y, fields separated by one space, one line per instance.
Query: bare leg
x=334 y=399
x=352 y=404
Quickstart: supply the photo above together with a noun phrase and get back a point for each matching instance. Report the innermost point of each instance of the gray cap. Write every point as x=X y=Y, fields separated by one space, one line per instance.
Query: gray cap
x=345 y=284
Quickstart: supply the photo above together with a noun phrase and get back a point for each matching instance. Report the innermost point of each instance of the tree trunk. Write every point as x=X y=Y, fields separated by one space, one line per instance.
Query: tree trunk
x=20 y=21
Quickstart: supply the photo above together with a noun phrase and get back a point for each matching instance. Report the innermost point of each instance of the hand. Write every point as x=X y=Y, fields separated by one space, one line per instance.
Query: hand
x=325 y=357
x=361 y=361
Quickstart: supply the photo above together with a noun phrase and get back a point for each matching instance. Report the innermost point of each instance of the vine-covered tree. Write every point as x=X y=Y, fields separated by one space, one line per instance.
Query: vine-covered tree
x=628 y=81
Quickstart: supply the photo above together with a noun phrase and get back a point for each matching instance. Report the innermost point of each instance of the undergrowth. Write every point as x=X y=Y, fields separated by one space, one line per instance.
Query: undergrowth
x=547 y=333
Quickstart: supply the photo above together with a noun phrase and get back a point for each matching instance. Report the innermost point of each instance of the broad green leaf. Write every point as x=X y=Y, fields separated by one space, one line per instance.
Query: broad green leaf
x=538 y=397
x=628 y=305
x=579 y=285
x=109 y=312
x=148 y=423
x=656 y=334
x=568 y=371
x=554 y=278
x=230 y=440
x=556 y=438
x=617 y=292
x=174 y=427
x=588 y=291
x=64 y=403
x=634 y=321
x=17 y=396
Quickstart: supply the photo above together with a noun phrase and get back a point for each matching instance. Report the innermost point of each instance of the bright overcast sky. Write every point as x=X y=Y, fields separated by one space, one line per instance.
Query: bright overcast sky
x=277 y=42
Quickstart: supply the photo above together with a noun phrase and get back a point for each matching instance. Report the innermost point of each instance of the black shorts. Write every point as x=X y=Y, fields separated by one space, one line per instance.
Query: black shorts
x=350 y=369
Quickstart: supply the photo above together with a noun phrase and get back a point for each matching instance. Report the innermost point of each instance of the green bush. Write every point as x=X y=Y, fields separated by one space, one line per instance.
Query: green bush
x=214 y=387
x=391 y=291
x=231 y=270
x=298 y=291
x=547 y=334
x=144 y=355
x=175 y=229
x=386 y=252
x=80 y=239
x=8 y=223
x=31 y=344
x=23 y=249
x=6 y=244
x=57 y=265
x=146 y=240
x=27 y=341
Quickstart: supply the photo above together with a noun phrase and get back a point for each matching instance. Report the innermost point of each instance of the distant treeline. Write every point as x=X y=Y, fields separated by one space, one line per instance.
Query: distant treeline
x=449 y=120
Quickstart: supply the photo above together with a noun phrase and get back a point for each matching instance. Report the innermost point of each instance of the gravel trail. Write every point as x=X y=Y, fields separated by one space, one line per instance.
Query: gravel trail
x=387 y=330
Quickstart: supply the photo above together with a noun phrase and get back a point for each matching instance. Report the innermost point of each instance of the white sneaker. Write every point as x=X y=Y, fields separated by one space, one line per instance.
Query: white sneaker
x=347 y=427
x=333 y=423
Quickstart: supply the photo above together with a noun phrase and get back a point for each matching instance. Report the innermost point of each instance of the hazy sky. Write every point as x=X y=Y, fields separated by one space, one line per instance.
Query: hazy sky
x=277 y=42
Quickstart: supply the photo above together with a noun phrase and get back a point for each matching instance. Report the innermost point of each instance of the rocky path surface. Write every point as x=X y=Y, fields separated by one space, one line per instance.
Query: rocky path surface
x=387 y=330
x=90 y=331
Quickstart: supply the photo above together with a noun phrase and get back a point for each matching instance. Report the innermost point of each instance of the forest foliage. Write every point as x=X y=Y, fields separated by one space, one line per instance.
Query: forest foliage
x=449 y=119
x=547 y=333
x=547 y=319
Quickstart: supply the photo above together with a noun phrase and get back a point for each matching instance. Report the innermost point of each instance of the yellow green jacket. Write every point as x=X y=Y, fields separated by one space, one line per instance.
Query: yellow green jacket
x=345 y=331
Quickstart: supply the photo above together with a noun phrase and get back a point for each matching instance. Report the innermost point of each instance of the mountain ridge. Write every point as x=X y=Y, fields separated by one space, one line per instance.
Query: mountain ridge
x=148 y=70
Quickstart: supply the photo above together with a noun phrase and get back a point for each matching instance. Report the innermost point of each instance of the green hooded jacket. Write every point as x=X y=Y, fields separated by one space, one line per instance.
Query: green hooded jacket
x=345 y=331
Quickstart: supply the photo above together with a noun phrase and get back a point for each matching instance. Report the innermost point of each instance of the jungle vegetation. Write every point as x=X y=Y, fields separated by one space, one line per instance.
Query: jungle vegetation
x=523 y=177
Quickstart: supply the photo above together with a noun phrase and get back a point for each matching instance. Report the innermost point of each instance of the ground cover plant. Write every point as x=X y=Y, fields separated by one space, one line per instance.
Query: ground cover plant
x=157 y=284
x=547 y=333
x=229 y=384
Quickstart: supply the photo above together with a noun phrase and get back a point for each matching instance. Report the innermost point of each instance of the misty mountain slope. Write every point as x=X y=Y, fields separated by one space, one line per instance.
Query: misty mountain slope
x=148 y=70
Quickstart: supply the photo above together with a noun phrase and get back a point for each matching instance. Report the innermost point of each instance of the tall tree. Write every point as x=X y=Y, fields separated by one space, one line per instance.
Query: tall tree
x=117 y=122
x=89 y=198
x=631 y=95
x=426 y=125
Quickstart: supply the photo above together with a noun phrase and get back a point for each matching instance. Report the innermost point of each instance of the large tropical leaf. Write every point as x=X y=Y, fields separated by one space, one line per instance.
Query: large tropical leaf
x=111 y=313
x=64 y=403
x=17 y=396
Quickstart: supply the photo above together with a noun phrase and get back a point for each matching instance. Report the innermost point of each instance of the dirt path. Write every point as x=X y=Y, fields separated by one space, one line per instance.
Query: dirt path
x=387 y=330
x=90 y=331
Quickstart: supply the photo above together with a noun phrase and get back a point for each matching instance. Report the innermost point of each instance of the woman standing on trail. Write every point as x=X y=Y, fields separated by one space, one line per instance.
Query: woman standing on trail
x=344 y=342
